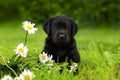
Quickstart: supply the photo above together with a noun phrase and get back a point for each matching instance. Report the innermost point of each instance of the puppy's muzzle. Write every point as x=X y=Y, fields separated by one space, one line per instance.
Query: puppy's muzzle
x=61 y=36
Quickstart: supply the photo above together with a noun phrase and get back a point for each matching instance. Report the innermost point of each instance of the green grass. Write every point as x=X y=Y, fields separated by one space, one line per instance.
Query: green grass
x=99 y=50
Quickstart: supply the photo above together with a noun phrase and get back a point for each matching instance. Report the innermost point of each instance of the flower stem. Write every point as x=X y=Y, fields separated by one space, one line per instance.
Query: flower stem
x=16 y=57
x=9 y=67
x=26 y=38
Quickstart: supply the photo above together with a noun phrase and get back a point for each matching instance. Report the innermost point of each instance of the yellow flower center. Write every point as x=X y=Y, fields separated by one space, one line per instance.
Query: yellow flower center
x=43 y=57
x=29 y=27
x=7 y=79
x=26 y=77
x=21 y=50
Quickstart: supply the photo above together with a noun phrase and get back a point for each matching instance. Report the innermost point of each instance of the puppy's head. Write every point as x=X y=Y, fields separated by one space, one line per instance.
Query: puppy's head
x=60 y=29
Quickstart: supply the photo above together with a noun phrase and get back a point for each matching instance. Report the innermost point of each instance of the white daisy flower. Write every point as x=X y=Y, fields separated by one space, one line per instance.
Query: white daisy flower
x=26 y=75
x=21 y=50
x=28 y=26
x=7 y=77
x=50 y=57
x=73 y=67
x=43 y=57
x=50 y=62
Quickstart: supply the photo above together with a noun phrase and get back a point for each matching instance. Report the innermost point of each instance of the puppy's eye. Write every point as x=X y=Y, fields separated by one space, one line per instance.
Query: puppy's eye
x=67 y=28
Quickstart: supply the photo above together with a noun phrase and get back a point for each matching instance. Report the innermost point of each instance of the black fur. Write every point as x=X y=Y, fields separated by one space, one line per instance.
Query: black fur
x=60 y=40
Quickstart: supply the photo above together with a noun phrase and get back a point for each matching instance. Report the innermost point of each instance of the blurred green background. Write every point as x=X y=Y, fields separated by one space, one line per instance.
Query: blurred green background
x=85 y=12
x=98 y=38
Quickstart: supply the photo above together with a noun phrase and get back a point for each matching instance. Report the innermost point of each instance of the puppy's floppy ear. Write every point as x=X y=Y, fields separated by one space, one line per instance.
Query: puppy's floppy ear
x=47 y=26
x=74 y=27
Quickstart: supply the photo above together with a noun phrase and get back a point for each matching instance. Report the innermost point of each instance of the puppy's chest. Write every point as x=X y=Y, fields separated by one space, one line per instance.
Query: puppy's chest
x=60 y=55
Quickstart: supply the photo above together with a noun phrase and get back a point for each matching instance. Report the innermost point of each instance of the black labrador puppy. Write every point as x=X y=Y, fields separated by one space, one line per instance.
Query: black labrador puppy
x=60 y=40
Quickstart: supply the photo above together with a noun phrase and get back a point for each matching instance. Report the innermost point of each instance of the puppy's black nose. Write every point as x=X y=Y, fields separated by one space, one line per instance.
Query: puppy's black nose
x=61 y=36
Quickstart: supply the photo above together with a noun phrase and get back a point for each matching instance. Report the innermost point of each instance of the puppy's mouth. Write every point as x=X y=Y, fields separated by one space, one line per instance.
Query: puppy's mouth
x=60 y=43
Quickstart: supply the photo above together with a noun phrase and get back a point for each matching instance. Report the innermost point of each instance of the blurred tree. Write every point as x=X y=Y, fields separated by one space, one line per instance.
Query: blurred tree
x=84 y=11
x=8 y=9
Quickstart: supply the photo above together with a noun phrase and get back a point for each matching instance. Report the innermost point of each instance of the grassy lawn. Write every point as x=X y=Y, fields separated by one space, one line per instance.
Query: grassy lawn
x=99 y=50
